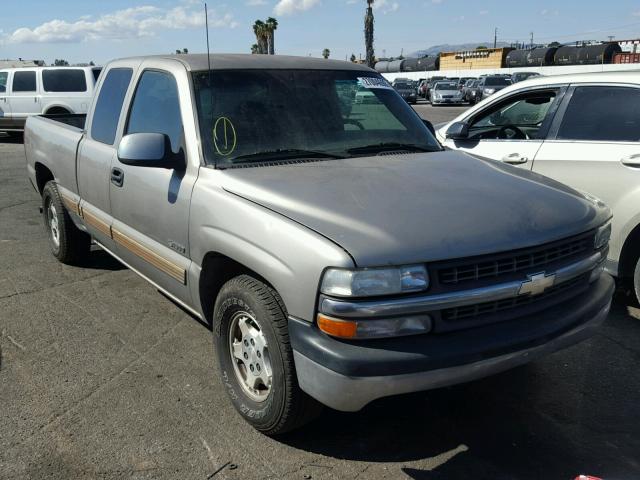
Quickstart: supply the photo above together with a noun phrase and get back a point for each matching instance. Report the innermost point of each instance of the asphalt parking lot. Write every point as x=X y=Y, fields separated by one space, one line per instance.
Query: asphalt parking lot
x=101 y=377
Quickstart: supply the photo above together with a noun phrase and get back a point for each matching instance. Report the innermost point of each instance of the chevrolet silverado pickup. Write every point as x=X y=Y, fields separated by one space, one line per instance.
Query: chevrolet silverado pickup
x=338 y=253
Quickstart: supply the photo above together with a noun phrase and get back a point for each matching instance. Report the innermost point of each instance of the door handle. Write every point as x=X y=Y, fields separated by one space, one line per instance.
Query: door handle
x=117 y=177
x=631 y=160
x=515 y=159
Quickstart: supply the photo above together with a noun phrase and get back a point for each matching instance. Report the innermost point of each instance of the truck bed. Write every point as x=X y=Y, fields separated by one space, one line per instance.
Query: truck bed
x=52 y=141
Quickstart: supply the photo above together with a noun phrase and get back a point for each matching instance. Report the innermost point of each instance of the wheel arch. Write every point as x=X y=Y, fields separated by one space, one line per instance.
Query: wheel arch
x=43 y=175
x=630 y=253
x=217 y=269
x=57 y=109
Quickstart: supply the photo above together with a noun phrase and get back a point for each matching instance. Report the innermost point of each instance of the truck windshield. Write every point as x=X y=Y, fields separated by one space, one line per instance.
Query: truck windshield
x=268 y=115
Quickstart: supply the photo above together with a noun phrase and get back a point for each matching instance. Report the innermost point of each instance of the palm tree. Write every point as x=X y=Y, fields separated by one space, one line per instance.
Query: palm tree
x=254 y=48
x=326 y=52
x=368 y=34
x=272 y=26
x=260 y=30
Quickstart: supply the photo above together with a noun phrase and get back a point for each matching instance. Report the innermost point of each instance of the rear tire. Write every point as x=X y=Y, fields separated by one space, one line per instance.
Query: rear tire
x=256 y=360
x=68 y=244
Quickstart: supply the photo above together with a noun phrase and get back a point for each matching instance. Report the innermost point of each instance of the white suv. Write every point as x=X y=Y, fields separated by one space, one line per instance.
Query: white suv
x=48 y=90
x=582 y=130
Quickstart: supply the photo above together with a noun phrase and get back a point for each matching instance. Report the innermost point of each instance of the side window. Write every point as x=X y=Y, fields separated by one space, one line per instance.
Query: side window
x=602 y=113
x=524 y=112
x=3 y=81
x=109 y=105
x=24 y=82
x=156 y=107
x=64 y=80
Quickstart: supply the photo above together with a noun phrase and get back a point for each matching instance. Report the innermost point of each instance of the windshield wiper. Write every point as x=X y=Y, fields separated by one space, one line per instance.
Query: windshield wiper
x=382 y=147
x=284 y=154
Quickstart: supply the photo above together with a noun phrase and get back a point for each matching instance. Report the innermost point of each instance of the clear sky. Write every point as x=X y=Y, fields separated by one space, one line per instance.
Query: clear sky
x=84 y=30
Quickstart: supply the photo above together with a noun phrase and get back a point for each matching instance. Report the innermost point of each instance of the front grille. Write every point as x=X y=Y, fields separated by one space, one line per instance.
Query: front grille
x=529 y=259
x=481 y=309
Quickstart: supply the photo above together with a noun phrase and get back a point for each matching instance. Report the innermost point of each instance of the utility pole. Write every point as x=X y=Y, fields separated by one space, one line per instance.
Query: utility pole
x=531 y=39
x=495 y=38
x=611 y=37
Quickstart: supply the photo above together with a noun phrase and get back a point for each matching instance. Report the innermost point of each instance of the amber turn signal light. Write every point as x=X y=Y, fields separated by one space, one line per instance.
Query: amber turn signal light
x=337 y=328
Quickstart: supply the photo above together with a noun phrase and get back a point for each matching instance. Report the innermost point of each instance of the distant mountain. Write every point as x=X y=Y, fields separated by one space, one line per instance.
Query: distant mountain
x=436 y=49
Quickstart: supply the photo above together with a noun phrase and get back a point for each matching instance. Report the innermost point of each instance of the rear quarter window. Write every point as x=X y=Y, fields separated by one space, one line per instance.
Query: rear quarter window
x=24 y=82
x=64 y=81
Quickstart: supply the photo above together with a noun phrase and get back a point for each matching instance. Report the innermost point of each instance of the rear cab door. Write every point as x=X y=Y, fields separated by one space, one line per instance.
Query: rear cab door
x=150 y=206
x=513 y=128
x=98 y=150
x=594 y=146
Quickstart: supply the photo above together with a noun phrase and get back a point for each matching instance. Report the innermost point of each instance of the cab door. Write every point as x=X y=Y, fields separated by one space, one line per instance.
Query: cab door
x=512 y=129
x=5 y=108
x=98 y=151
x=594 y=146
x=150 y=205
x=24 y=97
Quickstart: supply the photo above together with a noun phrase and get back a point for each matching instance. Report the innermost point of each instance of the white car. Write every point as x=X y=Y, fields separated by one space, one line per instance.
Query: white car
x=582 y=130
x=43 y=90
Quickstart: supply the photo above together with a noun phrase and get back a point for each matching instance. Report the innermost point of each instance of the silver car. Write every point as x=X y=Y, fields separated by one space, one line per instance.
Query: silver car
x=446 y=92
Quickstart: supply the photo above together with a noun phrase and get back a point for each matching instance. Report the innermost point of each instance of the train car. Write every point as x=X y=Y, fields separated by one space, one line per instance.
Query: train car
x=382 y=67
x=586 y=55
x=625 y=57
x=541 y=57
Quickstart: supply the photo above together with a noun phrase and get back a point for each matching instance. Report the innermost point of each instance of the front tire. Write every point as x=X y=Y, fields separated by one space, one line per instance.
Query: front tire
x=636 y=280
x=68 y=244
x=255 y=358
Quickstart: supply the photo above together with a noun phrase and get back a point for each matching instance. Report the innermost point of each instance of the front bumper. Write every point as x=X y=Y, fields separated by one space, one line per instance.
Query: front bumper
x=443 y=101
x=347 y=375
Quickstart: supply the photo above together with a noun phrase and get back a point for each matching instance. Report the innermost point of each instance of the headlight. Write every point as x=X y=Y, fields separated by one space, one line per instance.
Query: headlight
x=374 y=281
x=602 y=236
x=489 y=91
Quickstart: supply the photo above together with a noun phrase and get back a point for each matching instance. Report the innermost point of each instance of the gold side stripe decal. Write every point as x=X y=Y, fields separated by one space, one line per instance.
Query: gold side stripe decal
x=150 y=256
x=95 y=222
x=71 y=204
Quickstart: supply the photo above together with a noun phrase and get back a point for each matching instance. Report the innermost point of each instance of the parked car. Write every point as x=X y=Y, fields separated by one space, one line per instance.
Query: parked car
x=431 y=82
x=49 y=90
x=463 y=80
x=446 y=92
x=582 y=130
x=469 y=91
x=520 y=76
x=489 y=85
x=407 y=90
x=422 y=88
x=337 y=251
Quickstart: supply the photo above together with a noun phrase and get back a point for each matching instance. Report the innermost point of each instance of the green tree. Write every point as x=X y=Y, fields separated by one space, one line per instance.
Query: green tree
x=261 y=31
x=272 y=26
x=59 y=62
x=326 y=52
x=481 y=47
x=353 y=58
x=255 y=49
x=368 y=34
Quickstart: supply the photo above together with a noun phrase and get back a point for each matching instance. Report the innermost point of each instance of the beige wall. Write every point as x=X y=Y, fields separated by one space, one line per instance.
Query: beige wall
x=473 y=59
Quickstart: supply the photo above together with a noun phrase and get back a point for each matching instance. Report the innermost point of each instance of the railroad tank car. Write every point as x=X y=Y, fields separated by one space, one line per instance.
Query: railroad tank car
x=587 y=55
x=536 y=57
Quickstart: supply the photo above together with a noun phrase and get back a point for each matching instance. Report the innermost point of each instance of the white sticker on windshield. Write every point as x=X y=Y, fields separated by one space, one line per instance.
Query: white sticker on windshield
x=374 y=82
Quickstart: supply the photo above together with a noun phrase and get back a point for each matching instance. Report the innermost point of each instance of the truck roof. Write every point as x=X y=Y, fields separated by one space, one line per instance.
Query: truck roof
x=198 y=62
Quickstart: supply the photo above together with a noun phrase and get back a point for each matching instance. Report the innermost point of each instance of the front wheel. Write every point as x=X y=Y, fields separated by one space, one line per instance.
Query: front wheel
x=636 y=280
x=255 y=357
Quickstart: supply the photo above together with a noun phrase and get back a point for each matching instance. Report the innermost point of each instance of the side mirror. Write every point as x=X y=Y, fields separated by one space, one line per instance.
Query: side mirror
x=429 y=126
x=458 y=131
x=148 y=150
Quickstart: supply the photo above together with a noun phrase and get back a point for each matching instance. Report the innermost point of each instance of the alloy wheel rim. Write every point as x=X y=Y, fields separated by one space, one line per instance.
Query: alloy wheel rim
x=250 y=356
x=54 y=227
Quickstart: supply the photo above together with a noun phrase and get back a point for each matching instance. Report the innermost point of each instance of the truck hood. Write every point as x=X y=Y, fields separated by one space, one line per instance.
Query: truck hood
x=398 y=209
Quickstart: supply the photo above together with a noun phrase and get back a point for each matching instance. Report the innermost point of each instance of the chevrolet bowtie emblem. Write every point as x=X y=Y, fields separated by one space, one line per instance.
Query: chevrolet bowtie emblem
x=537 y=284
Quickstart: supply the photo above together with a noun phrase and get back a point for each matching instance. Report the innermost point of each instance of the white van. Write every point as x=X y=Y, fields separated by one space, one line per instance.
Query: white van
x=44 y=90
